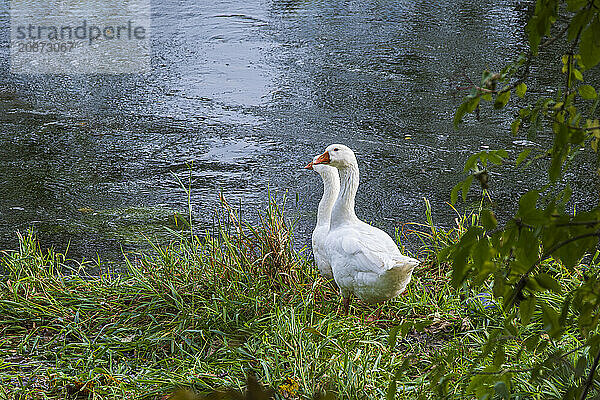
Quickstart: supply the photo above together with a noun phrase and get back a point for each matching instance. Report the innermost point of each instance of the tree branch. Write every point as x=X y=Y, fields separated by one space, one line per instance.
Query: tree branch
x=553 y=39
x=526 y=65
x=579 y=223
x=523 y=280
x=572 y=61
x=590 y=378
x=566 y=242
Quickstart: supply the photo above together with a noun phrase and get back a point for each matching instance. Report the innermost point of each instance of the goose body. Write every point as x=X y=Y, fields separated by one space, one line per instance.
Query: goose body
x=367 y=264
x=365 y=261
x=331 y=189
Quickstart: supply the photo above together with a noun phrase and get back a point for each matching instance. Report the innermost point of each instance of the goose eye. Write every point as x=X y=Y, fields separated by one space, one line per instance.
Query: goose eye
x=336 y=149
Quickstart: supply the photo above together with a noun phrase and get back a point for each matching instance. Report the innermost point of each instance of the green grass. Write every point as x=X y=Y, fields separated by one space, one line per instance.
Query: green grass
x=207 y=310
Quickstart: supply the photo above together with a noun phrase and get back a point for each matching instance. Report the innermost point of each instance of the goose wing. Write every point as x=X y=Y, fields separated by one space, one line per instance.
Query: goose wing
x=366 y=248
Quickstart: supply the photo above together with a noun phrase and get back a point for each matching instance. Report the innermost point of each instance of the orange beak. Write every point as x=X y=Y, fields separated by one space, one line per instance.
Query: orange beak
x=309 y=166
x=323 y=159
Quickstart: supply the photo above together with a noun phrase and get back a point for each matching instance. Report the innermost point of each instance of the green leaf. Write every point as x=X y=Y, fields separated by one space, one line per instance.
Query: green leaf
x=543 y=21
x=548 y=282
x=534 y=36
x=460 y=113
x=391 y=392
x=471 y=162
x=481 y=252
x=531 y=342
x=574 y=5
x=472 y=104
x=527 y=246
x=564 y=309
x=485 y=76
x=460 y=268
x=580 y=20
x=488 y=219
x=571 y=252
x=542 y=346
x=528 y=202
x=466 y=187
x=521 y=89
x=502 y=99
x=550 y=318
x=587 y=92
x=560 y=147
x=563 y=197
x=499 y=357
x=483 y=272
x=526 y=309
x=501 y=390
x=499 y=286
x=444 y=254
x=581 y=366
x=405 y=327
x=454 y=192
x=589 y=48
x=392 y=337
x=421 y=325
x=555 y=168
x=495 y=157
x=510 y=327
x=515 y=125
x=528 y=211
x=523 y=155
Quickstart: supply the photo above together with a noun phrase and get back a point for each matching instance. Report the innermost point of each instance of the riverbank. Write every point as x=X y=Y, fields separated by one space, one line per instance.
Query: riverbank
x=206 y=311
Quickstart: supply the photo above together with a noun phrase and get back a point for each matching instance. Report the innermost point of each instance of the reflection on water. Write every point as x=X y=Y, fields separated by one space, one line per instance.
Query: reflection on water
x=240 y=97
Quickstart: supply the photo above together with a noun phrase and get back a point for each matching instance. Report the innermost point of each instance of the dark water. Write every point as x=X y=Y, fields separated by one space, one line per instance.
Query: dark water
x=241 y=96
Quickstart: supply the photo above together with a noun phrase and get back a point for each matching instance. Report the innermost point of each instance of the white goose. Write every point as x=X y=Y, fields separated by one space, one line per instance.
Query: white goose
x=365 y=260
x=331 y=189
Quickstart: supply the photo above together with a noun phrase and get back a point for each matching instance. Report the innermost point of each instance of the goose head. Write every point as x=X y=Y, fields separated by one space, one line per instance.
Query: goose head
x=321 y=168
x=336 y=155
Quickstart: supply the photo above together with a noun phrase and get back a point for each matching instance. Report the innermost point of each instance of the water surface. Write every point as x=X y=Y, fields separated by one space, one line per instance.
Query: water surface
x=240 y=98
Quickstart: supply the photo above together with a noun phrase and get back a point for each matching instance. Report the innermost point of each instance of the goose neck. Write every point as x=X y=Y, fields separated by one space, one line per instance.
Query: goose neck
x=343 y=210
x=331 y=190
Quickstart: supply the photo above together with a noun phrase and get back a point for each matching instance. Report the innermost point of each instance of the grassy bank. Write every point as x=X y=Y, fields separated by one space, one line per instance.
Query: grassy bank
x=207 y=311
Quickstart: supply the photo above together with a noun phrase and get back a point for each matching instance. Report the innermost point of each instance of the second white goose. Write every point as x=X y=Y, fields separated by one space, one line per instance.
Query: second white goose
x=365 y=261
x=331 y=189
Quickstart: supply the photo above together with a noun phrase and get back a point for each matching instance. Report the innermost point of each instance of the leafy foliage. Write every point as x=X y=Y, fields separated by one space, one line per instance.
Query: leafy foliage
x=511 y=259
